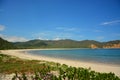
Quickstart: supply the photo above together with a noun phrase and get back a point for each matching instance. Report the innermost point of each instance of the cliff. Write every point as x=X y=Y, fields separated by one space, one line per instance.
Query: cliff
x=112 y=46
x=93 y=46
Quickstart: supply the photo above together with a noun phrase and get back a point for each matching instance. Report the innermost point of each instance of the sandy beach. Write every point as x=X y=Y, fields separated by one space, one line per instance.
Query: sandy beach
x=94 y=66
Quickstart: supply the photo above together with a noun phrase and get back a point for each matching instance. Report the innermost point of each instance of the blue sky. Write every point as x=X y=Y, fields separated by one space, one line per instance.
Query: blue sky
x=22 y=20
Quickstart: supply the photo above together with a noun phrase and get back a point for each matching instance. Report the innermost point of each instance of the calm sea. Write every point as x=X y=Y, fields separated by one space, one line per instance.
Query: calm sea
x=109 y=56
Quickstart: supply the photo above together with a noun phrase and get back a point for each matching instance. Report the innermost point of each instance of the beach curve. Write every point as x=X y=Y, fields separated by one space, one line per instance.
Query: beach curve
x=98 y=67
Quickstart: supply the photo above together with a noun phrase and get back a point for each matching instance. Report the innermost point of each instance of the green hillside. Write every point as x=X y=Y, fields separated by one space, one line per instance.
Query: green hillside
x=67 y=43
x=56 y=44
x=31 y=44
x=5 y=44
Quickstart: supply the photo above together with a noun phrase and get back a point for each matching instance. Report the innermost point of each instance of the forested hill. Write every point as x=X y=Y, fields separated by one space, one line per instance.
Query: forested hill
x=67 y=43
x=56 y=44
x=6 y=45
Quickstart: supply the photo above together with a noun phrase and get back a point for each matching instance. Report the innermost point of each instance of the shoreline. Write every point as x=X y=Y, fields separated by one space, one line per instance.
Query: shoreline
x=98 y=67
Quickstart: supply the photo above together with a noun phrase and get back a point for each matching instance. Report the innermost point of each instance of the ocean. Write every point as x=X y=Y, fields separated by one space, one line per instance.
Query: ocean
x=107 y=56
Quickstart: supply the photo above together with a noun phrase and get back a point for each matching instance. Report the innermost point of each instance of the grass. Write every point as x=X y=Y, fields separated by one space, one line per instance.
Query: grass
x=44 y=70
x=11 y=64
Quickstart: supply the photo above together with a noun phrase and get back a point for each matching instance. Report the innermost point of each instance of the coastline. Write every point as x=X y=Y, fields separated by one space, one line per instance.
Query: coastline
x=98 y=67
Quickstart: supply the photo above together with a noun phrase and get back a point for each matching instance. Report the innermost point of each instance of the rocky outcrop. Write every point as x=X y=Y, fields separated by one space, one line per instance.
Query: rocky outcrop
x=112 y=46
x=93 y=46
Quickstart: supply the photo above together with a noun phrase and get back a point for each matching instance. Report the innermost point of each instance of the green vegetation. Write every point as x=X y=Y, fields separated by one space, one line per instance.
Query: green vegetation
x=67 y=43
x=63 y=44
x=6 y=45
x=43 y=70
x=31 y=44
x=56 y=44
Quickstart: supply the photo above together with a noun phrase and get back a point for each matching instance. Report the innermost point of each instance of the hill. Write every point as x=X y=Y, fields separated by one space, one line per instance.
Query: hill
x=31 y=44
x=67 y=43
x=112 y=44
x=6 y=45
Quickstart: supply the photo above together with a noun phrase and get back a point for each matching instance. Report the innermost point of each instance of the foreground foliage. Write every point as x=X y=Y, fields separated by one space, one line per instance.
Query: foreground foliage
x=43 y=70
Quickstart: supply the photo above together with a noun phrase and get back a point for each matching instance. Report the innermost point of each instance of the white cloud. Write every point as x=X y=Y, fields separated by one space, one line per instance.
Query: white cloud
x=111 y=22
x=52 y=35
x=56 y=35
x=40 y=38
x=13 y=38
x=66 y=28
x=98 y=31
x=57 y=38
x=16 y=39
x=116 y=34
x=2 y=27
x=100 y=38
x=45 y=35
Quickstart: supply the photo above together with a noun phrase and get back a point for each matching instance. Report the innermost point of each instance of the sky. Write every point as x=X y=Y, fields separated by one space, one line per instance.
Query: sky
x=23 y=20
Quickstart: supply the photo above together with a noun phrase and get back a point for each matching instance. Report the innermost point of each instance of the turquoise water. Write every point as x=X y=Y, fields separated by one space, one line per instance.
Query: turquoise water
x=109 y=56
